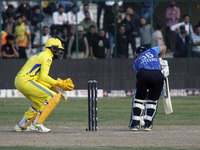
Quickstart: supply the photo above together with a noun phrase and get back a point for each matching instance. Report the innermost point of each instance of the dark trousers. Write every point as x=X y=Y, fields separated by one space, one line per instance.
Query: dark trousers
x=169 y=38
x=100 y=7
x=151 y=80
x=22 y=52
x=131 y=40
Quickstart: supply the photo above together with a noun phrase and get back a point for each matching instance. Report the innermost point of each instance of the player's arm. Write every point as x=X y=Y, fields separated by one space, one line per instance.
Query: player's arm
x=162 y=51
x=44 y=77
x=45 y=67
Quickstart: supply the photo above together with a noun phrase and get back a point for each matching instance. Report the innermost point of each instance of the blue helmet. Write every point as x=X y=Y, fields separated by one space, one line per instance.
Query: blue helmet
x=141 y=49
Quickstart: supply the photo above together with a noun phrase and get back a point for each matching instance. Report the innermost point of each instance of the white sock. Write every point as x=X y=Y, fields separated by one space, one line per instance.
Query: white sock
x=35 y=121
x=23 y=122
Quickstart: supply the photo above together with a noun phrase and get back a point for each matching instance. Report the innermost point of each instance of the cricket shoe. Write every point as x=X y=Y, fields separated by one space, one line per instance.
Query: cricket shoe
x=148 y=128
x=39 y=128
x=135 y=128
x=17 y=128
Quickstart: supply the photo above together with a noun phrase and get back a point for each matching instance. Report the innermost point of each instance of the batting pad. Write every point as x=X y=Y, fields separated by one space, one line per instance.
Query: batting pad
x=48 y=108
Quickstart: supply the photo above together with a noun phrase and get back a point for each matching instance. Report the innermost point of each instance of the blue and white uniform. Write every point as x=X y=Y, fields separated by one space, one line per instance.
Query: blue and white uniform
x=148 y=60
x=149 y=86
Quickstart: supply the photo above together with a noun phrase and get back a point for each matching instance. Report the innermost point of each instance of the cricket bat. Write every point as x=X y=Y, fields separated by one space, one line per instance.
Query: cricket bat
x=166 y=97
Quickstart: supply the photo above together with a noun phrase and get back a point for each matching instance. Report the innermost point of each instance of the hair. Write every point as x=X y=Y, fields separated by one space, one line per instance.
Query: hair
x=60 y=6
x=101 y=30
x=45 y=27
x=4 y=26
x=185 y=15
x=129 y=7
x=159 y=26
x=85 y=4
x=10 y=37
x=142 y=18
x=10 y=6
x=73 y=6
x=92 y=26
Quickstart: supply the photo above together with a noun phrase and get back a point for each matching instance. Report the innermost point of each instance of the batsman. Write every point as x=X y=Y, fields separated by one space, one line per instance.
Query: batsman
x=148 y=86
x=35 y=84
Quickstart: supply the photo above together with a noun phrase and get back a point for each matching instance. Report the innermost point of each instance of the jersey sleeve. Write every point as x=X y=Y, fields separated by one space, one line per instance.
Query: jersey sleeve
x=45 y=67
x=157 y=49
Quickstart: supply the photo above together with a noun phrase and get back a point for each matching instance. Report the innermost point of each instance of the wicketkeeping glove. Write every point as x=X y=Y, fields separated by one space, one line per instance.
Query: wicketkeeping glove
x=69 y=80
x=66 y=86
x=54 y=88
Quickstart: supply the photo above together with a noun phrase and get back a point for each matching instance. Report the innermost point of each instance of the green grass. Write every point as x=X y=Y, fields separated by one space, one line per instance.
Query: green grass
x=113 y=148
x=111 y=112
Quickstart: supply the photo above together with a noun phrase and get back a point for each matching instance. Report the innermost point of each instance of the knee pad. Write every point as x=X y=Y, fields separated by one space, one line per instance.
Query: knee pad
x=150 y=112
x=48 y=107
x=137 y=111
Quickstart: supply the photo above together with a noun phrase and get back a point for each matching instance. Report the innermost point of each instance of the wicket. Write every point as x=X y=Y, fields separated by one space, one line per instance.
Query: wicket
x=92 y=106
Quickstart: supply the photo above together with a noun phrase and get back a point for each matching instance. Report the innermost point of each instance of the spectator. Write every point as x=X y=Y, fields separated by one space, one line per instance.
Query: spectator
x=59 y=18
x=26 y=22
x=86 y=9
x=172 y=15
x=10 y=25
x=23 y=35
x=49 y=7
x=186 y=23
x=157 y=36
x=8 y=13
x=68 y=5
x=121 y=42
x=64 y=37
x=91 y=34
x=100 y=7
x=72 y=29
x=131 y=19
x=111 y=25
x=83 y=48
x=100 y=47
x=3 y=36
x=145 y=33
x=196 y=42
x=9 y=49
x=4 y=33
x=25 y=9
x=146 y=9
x=53 y=31
x=109 y=9
x=71 y=16
x=45 y=37
x=87 y=22
x=35 y=20
x=13 y=3
x=181 y=40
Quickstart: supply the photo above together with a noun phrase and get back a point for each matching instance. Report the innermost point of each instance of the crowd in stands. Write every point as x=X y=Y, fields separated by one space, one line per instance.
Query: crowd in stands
x=24 y=24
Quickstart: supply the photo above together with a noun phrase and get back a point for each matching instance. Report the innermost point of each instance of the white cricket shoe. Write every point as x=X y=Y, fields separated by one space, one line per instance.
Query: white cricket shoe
x=17 y=128
x=148 y=128
x=39 y=128
x=135 y=128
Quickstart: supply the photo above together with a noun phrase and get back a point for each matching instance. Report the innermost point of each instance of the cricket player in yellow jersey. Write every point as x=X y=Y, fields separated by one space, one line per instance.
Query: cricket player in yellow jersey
x=36 y=85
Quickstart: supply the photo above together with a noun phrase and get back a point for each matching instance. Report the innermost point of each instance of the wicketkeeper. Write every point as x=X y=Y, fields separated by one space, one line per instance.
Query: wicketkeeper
x=148 y=87
x=36 y=85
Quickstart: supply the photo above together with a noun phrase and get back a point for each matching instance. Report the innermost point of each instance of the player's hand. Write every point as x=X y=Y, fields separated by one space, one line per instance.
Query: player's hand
x=69 y=80
x=66 y=86
x=54 y=88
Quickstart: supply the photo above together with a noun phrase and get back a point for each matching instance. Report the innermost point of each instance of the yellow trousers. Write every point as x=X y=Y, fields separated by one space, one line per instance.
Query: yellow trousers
x=34 y=91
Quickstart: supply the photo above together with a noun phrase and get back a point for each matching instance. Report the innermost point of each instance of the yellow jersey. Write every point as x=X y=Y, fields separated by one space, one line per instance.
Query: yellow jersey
x=21 y=31
x=37 y=68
